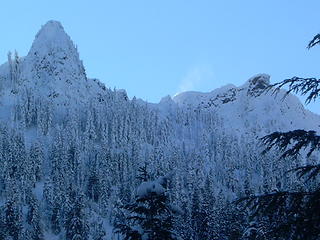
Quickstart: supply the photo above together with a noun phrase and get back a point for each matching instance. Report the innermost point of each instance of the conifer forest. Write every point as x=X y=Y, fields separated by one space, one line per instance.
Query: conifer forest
x=82 y=161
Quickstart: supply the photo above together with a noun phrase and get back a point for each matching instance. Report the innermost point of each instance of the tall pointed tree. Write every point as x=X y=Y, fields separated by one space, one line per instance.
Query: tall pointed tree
x=76 y=224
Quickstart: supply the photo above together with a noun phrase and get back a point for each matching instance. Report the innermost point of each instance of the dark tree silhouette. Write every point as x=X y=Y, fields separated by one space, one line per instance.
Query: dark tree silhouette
x=292 y=214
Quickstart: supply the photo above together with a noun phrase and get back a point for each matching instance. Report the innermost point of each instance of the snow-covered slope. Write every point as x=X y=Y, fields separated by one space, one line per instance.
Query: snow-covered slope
x=251 y=107
x=69 y=133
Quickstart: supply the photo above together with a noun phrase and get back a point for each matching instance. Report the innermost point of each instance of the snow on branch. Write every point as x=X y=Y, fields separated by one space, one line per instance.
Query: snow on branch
x=309 y=87
x=300 y=139
x=314 y=41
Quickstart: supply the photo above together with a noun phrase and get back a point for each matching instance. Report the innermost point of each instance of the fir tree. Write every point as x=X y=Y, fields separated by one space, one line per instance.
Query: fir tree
x=197 y=216
x=13 y=220
x=33 y=219
x=36 y=161
x=2 y=227
x=76 y=224
x=97 y=230
x=150 y=216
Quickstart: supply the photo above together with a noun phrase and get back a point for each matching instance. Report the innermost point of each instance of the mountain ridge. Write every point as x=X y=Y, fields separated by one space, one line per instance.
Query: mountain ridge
x=55 y=72
x=250 y=104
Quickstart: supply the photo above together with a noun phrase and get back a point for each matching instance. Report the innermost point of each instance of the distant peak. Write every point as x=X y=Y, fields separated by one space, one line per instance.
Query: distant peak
x=257 y=84
x=54 y=55
x=51 y=37
x=51 y=28
x=52 y=24
x=260 y=79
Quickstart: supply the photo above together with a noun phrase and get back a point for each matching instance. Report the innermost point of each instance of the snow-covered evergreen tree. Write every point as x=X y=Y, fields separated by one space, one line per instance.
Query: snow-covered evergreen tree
x=150 y=215
x=76 y=224
x=13 y=220
x=33 y=219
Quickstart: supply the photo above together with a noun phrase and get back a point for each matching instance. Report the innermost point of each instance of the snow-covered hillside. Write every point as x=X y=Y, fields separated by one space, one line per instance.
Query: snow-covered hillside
x=73 y=153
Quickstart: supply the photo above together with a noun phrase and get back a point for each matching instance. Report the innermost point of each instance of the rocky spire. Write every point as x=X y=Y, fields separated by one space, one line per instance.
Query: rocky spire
x=52 y=37
x=53 y=57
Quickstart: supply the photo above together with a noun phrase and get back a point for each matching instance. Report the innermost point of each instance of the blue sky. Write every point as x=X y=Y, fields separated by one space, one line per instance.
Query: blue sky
x=156 y=48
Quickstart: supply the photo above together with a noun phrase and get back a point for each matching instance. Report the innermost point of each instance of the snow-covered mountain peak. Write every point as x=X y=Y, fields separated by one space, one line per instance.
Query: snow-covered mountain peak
x=52 y=70
x=257 y=84
x=51 y=37
x=260 y=78
x=53 y=57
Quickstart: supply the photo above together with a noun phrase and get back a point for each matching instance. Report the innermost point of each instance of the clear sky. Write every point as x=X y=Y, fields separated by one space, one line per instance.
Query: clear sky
x=155 y=48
